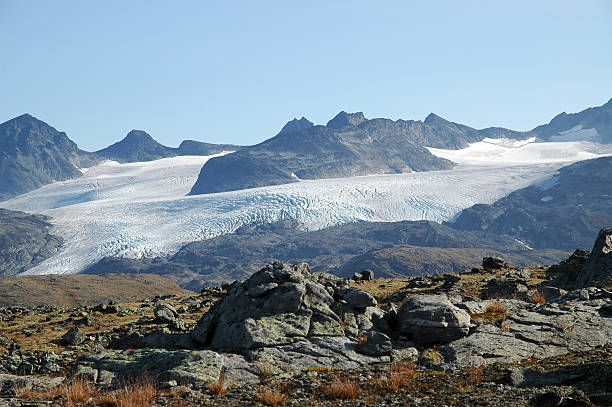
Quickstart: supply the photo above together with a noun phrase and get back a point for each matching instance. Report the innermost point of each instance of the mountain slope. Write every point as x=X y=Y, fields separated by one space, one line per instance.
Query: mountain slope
x=33 y=154
x=79 y=290
x=136 y=146
x=25 y=241
x=564 y=212
x=592 y=124
x=139 y=146
x=349 y=145
x=237 y=255
x=407 y=260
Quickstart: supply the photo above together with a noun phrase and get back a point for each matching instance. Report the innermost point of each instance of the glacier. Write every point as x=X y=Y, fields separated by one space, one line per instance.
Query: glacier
x=141 y=209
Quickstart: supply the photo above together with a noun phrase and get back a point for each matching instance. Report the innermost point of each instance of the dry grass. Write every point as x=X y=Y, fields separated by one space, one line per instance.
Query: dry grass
x=401 y=375
x=497 y=308
x=137 y=393
x=505 y=327
x=74 y=393
x=342 y=389
x=218 y=388
x=271 y=397
x=537 y=298
x=265 y=370
x=475 y=374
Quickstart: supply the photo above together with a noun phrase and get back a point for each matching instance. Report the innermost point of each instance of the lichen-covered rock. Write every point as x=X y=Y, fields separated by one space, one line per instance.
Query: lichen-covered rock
x=505 y=288
x=570 y=324
x=279 y=305
x=74 y=336
x=165 y=312
x=428 y=319
x=196 y=367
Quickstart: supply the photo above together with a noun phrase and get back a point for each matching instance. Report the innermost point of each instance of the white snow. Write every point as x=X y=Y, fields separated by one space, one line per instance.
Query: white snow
x=504 y=152
x=546 y=198
x=140 y=209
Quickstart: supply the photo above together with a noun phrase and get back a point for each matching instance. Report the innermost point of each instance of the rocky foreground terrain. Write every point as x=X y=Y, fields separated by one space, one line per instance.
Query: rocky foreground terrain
x=496 y=336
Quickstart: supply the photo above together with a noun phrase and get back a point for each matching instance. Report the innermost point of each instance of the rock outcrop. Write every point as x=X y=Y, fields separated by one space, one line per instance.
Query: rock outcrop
x=432 y=319
x=583 y=268
x=579 y=320
x=283 y=305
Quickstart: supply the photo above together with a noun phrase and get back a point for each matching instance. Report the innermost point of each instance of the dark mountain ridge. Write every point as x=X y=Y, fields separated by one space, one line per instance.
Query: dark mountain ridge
x=138 y=145
x=575 y=204
x=25 y=241
x=336 y=249
x=349 y=145
x=33 y=154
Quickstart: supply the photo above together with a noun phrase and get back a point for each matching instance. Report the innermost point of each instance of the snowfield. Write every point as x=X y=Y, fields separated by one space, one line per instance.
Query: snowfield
x=140 y=209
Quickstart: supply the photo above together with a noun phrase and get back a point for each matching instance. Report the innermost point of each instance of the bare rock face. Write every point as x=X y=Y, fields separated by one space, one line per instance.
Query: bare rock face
x=598 y=268
x=584 y=269
x=432 y=319
x=283 y=305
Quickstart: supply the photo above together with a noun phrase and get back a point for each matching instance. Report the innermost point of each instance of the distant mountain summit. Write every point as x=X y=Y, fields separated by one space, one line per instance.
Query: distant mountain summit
x=343 y=119
x=296 y=125
x=349 y=145
x=138 y=145
x=33 y=154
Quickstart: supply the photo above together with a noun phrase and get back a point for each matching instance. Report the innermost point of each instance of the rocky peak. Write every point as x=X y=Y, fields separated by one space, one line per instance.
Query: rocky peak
x=138 y=137
x=433 y=119
x=296 y=125
x=346 y=119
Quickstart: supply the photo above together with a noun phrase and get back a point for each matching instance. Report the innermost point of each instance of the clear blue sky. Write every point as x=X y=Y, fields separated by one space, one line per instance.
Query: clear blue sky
x=236 y=71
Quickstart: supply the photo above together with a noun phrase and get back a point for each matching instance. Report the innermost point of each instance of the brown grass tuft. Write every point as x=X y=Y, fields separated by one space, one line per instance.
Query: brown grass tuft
x=401 y=375
x=137 y=393
x=505 y=327
x=218 y=387
x=271 y=397
x=265 y=370
x=537 y=298
x=342 y=389
x=475 y=374
x=75 y=392
x=497 y=308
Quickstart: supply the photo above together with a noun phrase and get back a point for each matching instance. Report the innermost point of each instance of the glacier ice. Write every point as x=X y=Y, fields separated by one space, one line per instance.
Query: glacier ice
x=141 y=209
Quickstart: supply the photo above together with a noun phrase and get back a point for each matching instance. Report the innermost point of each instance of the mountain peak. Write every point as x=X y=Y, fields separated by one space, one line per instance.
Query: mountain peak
x=138 y=136
x=345 y=119
x=433 y=119
x=296 y=125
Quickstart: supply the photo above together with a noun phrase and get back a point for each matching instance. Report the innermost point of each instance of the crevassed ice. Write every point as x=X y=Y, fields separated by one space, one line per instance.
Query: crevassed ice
x=140 y=209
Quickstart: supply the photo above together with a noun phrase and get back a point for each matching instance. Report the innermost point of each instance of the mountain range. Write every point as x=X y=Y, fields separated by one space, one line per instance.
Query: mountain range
x=351 y=145
x=33 y=154
x=575 y=202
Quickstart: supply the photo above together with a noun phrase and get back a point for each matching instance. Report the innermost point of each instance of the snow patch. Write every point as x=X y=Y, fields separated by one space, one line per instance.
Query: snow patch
x=505 y=152
x=577 y=133
x=546 y=198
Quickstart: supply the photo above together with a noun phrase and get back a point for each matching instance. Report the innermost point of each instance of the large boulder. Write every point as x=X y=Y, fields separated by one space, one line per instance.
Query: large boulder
x=281 y=305
x=493 y=263
x=429 y=319
x=583 y=268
